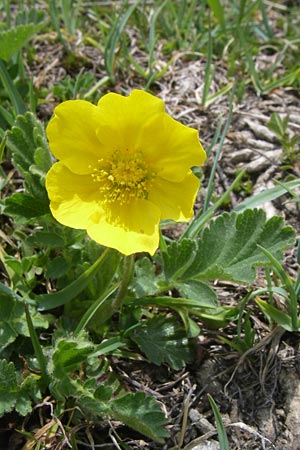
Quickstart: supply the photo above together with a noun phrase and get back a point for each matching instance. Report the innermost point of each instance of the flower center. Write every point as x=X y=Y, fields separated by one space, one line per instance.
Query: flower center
x=123 y=177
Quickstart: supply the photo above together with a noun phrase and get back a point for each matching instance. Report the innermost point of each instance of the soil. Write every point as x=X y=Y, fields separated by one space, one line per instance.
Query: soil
x=257 y=393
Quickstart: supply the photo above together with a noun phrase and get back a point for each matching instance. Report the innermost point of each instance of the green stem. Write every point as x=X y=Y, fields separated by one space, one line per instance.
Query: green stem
x=127 y=276
x=94 y=308
x=37 y=348
x=65 y=295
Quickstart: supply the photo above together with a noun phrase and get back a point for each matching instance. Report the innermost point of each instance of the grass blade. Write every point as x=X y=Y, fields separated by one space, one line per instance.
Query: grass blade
x=113 y=38
x=211 y=182
x=11 y=90
x=200 y=220
x=267 y=195
x=60 y=298
x=37 y=347
x=218 y=11
x=223 y=441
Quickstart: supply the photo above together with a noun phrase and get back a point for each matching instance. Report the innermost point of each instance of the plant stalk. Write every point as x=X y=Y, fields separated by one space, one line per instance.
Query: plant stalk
x=127 y=276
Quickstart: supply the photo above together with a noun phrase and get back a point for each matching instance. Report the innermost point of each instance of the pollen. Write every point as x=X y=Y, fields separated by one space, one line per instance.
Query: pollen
x=123 y=177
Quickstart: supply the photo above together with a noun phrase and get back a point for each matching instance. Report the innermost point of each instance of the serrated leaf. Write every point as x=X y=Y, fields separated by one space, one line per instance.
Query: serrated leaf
x=177 y=259
x=12 y=40
x=24 y=205
x=163 y=340
x=199 y=291
x=8 y=387
x=228 y=248
x=68 y=356
x=45 y=238
x=146 y=280
x=14 y=396
x=30 y=154
x=141 y=413
x=28 y=392
x=57 y=268
x=13 y=320
x=42 y=158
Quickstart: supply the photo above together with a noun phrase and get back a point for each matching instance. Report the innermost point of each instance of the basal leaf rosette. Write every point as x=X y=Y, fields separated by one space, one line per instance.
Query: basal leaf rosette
x=123 y=165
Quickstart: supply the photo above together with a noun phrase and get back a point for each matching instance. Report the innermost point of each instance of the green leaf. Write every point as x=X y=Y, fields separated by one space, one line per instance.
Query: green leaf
x=224 y=444
x=228 y=248
x=178 y=258
x=141 y=413
x=163 y=340
x=218 y=10
x=59 y=298
x=69 y=354
x=218 y=317
x=56 y=268
x=267 y=195
x=13 y=94
x=30 y=154
x=146 y=280
x=12 y=40
x=14 y=395
x=114 y=37
x=24 y=205
x=279 y=317
x=8 y=387
x=29 y=392
x=199 y=291
x=13 y=319
x=45 y=238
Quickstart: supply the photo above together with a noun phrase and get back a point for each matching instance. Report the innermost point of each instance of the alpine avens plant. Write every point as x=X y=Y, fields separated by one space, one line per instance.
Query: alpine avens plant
x=91 y=272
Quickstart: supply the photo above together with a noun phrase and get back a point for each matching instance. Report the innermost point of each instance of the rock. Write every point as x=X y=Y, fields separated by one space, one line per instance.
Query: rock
x=200 y=421
x=261 y=132
x=292 y=405
x=264 y=162
x=207 y=445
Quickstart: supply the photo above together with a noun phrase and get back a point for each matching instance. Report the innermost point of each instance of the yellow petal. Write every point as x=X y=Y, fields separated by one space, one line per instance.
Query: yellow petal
x=128 y=228
x=175 y=200
x=123 y=118
x=74 y=198
x=170 y=147
x=72 y=135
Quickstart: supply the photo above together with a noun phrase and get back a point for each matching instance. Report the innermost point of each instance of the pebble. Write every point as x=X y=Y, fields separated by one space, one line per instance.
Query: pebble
x=264 y=162
x=200 y=421
x=207 y=445
x=261 y=132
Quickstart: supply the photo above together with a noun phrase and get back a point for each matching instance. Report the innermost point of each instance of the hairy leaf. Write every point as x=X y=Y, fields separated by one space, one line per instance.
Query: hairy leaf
x=15 y=394
x=146 y=280
x=24 y=205
x=228 y=248
x=30 y=154
x=13 y=319
x=163 y=340
x=141 y=413
x=12 y=40
x=68 y=355
x=178 y=258
x=199 y=291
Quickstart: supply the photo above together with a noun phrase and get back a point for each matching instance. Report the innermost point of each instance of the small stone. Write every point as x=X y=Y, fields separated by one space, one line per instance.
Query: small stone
x=261 y=132
x=207 y=445
x=200 y=421
x=264 y=162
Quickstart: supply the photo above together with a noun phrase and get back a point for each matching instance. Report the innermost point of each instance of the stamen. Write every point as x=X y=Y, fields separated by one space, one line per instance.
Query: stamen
x=123 y=177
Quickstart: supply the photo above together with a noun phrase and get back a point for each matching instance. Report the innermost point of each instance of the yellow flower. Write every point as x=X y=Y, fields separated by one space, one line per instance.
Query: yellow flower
x=123 y=166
